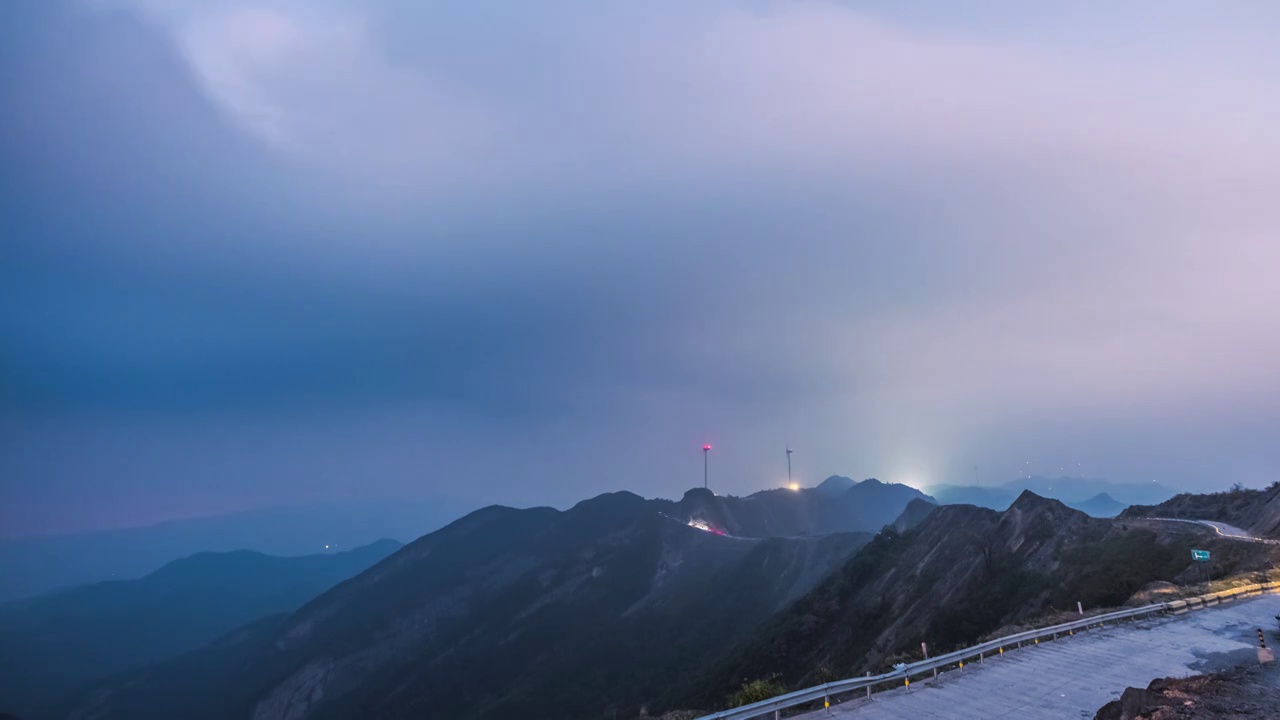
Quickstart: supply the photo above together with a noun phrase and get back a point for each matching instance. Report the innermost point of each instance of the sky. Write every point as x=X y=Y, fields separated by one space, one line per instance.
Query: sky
x=267 y=252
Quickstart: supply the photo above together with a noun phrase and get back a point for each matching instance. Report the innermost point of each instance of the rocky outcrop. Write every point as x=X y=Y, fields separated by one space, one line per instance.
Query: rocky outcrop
x=1252 y=692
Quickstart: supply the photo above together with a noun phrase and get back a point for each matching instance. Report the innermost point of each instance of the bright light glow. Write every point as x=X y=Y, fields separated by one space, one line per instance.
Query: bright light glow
x=795 y=486
x=913 y=481
x=705 y=526
x=706 y=447
x=326 y=547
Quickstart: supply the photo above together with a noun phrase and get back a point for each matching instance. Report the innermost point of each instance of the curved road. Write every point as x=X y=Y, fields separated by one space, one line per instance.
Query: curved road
x=1229 y=532
x=1074 y=676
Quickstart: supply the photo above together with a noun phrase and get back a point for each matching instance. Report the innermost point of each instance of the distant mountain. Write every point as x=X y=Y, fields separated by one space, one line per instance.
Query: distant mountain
x=1257 y=511
x=55 y=643
x=1069 y=490
x=1101 y=505
x=837 y=505
x=30 y=566
x=914 y=514
x=963 y=572
x=835 y=485
x=506 y=614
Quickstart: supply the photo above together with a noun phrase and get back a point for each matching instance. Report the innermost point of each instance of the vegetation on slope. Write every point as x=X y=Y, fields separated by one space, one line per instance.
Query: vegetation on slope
x=1257 y=511
x=964 y=572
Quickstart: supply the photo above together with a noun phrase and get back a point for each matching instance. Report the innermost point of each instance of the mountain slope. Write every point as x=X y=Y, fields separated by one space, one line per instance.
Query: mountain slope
x=963 y=572
x=55 y=643
x=1257 y=511
x=503 y=613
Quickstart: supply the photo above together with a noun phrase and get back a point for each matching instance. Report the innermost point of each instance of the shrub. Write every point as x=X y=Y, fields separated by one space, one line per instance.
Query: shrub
x=755 y=691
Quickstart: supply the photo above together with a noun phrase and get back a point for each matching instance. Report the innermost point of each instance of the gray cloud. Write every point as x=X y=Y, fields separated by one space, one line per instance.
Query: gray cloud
x=913 y=240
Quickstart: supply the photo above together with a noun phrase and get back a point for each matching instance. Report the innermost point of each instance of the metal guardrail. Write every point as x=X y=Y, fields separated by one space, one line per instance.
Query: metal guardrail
x=824 y=692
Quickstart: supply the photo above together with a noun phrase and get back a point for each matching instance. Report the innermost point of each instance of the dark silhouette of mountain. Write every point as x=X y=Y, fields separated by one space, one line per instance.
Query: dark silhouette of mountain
x=35 y=565
x=504 y=614
x=963 y=572
x=861 y=507
x=1101 y=505
x=1070 y=490
x=835 y=485
x=55 y=643
x=914 y=514
x=1257 y=511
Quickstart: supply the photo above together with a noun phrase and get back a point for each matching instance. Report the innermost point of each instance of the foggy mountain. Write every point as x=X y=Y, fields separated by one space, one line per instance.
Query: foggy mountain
x=1101 y=505
x=35 y=565
x=524 y=613
x=55 y=643
x=1074 y=492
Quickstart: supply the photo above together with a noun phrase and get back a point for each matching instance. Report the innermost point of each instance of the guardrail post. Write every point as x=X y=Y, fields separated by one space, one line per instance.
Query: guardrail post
x=982 y=658
x=868 y=686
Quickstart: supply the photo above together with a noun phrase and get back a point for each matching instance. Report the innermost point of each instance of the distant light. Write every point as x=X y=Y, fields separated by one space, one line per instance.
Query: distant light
x=706 y=447
x=795 y=486
x=326 y=547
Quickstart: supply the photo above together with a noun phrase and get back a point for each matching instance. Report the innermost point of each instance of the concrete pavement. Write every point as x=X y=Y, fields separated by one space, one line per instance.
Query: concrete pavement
x=1074 y=676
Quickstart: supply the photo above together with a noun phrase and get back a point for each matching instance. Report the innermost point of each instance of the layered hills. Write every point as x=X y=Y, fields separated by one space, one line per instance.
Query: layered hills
x=1098 y=498
x=525 y=613
x=55 y=643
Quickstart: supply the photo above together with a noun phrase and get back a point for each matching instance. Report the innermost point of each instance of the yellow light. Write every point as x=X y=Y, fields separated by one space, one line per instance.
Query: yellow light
x=795 y=486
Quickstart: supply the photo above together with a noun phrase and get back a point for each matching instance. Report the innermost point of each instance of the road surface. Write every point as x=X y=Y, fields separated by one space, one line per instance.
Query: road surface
x=1229 y=532
x=1074 y=676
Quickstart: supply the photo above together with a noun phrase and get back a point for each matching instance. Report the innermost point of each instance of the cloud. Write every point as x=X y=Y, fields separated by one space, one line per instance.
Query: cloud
x=914 y=238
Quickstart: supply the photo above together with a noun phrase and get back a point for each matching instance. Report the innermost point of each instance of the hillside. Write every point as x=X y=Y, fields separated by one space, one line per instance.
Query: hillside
x=56 y=643
x=963 y=572
x=837 y=505
x=1257 y=511
x=503 y=614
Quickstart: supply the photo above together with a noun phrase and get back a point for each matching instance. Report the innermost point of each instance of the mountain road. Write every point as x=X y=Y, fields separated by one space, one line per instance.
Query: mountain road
x=1074 y=676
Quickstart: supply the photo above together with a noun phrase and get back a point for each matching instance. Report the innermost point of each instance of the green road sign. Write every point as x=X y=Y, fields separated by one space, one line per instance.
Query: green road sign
x=1201 y=555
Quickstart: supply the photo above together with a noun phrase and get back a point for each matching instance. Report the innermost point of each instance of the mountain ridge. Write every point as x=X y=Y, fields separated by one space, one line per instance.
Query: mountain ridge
x=616 y=584
x=54 y=643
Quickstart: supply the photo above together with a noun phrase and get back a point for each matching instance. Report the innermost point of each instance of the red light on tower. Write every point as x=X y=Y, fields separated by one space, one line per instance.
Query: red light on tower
x=706 y=447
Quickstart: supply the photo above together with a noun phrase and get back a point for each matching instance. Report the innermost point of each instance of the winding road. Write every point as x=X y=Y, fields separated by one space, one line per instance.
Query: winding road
x=1074 y=676
x=1229 y=532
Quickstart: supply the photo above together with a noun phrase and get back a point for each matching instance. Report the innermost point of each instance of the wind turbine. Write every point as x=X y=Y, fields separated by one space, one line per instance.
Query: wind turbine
x=705 y=449
x=789 y=483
